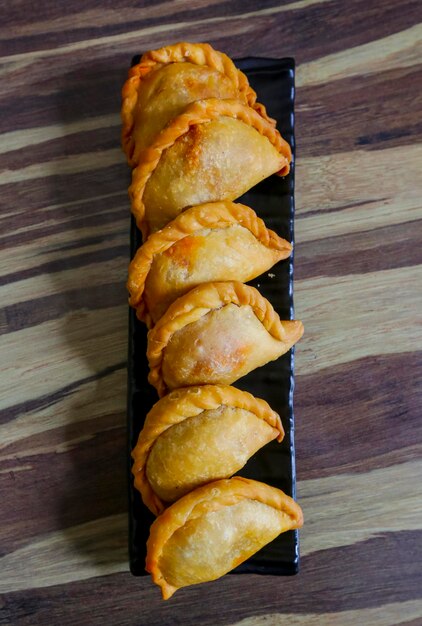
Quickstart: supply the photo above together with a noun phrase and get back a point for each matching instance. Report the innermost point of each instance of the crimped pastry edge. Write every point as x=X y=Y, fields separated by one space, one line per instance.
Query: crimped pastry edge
x=208 y=215
x=195 y=53
x=179 y=405
x=198 y=302
x=198 y=112
x=210 y=497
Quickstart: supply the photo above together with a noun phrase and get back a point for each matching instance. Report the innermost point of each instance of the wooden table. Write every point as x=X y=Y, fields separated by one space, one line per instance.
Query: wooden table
x=65 y=221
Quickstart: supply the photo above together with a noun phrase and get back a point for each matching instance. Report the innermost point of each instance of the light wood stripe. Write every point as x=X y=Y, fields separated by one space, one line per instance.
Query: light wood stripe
x=350 y=508
x=54 y=354
x=374 y=175
x=240 y=18
x=64 y=166
x=18 y=139
x=53 y=559
x=49 y=248
x=64 y=205
x=114 y=271
x=403 y=49
x=91 y=401
x=16 y=468
x=65 y=445
x=351 y=317
x=386 y=615
x=385 y=196
x=105 y=17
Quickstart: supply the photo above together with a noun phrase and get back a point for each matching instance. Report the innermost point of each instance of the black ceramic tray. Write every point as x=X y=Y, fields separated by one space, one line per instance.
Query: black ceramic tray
x=273 y=200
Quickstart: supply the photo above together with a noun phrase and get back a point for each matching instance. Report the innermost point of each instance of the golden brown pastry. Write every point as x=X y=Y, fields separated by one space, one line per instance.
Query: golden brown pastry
x=208 y=242
x=215 y=150
x=214 y=529
x=195 y=435
x=216 y=333
x=165 y=81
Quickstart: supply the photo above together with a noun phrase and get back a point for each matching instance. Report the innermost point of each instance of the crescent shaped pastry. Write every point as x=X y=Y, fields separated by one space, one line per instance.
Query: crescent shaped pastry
x=215 y=528
x=216 y=333
x=195 y=435
x=165 y=81
x=209 y=242
x=215 y=150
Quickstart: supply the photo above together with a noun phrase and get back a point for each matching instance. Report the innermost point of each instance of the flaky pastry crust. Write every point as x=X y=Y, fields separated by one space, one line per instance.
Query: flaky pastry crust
x=210 y=215
x=180 y=405
x=199 y=112
x=195 y=53
x=210 y=497
x=200 y=301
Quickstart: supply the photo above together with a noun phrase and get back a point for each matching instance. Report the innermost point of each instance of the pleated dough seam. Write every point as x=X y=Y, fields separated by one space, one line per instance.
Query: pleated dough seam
x=215 y=215
x=212 y=397
x=197 y=303
x=199 y=112
x=197 y=54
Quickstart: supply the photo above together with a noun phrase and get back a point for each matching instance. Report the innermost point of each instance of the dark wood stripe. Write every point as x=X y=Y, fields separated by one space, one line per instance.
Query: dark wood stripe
x=355 y=23
x=83 y=91
x=39 y=310
x=105 y=26
x=360 y=576
x=107 y=138
x=342 y=207
x=37 y=404
x=77 y=216
x=358 y=416
x=341 y=117
x=94 y=470
x=66 y=263
x=370 y=251
x=82 y=242
x=60 y=189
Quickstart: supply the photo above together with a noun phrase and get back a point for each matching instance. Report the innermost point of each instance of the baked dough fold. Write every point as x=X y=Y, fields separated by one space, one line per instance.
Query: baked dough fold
x=195 y=435
x=165 y=81
x=214 y=529
x=216 y=333
x=215 y=150
x=209 y=242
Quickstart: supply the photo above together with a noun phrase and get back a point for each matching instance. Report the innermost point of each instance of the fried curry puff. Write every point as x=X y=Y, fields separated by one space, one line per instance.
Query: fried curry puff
x=214 y=529
x=216 y=333
x=195 y=435
x=209 y=242
x=214 y=150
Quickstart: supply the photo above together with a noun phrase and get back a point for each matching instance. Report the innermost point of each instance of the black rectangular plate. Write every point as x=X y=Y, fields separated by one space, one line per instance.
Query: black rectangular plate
x=273 y=200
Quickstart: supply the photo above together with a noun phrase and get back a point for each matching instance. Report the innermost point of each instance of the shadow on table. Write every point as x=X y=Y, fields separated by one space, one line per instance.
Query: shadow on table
x=90 y=195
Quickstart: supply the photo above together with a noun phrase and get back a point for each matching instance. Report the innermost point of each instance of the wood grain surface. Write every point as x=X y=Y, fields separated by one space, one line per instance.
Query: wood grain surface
x=63 y=260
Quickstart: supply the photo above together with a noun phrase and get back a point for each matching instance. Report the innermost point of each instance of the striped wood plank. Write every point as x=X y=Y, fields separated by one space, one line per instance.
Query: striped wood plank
x=63 y=317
